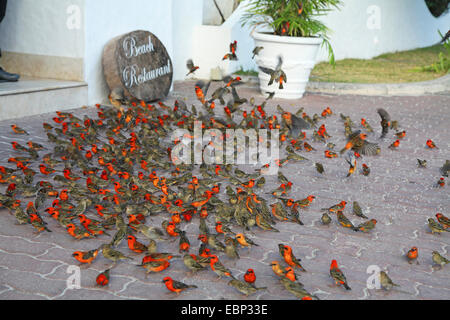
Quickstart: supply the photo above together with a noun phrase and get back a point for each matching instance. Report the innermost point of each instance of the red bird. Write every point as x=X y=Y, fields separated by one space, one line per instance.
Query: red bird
x=431 y=145
x=184 y=244
x=176 y=286
x=67 y=175
x=412 y=254
x=103 y=278
x=45 y=170
x=85 y=257
x=443 y=220
x=172 y=229
x=395 y=144
x=64 y=195
x=330 y=154
x=286 y=253
x=191 y=67
x=135 y=245
x=250 y=276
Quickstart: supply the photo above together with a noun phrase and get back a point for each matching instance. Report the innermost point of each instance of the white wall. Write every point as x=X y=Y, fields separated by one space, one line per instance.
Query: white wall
x=366 y=28
x=211 y=43
x=106 y=19
x=245 y=44
x=211 y=15
x=44 y=27
x=186 y=16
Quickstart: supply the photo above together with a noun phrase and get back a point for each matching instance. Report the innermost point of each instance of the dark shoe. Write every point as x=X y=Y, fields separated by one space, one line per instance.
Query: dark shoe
x=6 y=76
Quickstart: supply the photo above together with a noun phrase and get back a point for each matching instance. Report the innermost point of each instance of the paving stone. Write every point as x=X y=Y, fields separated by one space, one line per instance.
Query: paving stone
x=20 y=245
x=93 y=294
x=397 y=193
x=31 y=283
x=17 y=295
x=26 y=263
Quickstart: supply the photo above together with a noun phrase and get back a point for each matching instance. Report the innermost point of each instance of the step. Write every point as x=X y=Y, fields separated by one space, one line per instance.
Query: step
x=32 y=96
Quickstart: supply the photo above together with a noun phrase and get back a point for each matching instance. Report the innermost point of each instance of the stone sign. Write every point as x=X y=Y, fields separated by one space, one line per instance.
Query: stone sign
x=139 y=63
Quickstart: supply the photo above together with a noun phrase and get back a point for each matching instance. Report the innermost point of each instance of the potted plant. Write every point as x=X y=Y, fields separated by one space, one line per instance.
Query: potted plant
x=295 y=36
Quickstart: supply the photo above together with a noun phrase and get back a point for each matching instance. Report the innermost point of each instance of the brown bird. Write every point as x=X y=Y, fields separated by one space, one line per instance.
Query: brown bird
x=357 y=142
x=439 y=259
x=116 y=97
x=386 y=282
x=256 y=51
x=337 y=207
x=367 y=226
x=446 y=37
x=357 y=211
x=276 y=74
x=443 y=220
x=337 y=275
x=231 y=248
x=297 y=289
x=436 y=227
x=445 y=169
x=345 y=222
x=295 y=124
x=244 y=287
x=385 y=122
x=18 y=130
x=219 y=268
x=191 y=67
x=112 y=254
x=325 y=219
x=319 y=167
x=192 y=264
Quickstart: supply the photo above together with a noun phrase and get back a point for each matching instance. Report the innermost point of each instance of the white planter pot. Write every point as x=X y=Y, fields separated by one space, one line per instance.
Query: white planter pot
x=299 y=57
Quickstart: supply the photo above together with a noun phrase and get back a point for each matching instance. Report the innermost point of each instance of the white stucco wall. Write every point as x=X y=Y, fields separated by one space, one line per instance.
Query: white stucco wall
x=186 y=16
x=44 y=27
x=211 y=15
x=213 y=42
x=366 y=28
x=106 y=19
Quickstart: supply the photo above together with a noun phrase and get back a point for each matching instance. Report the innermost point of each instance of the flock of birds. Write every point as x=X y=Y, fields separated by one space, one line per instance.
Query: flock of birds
x=106 y=176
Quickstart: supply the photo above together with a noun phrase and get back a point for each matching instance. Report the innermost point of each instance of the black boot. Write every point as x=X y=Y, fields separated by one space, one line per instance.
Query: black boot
x=6 y=76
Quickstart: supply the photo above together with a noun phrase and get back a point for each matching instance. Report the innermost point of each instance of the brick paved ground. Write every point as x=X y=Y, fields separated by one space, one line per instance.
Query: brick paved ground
x=397 y=193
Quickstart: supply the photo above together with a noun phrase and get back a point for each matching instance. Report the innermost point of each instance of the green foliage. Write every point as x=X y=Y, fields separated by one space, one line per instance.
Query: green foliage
x=443 y=65
x=243 y=72
x=438 y=7
x=392 y=67
x=293 y=18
